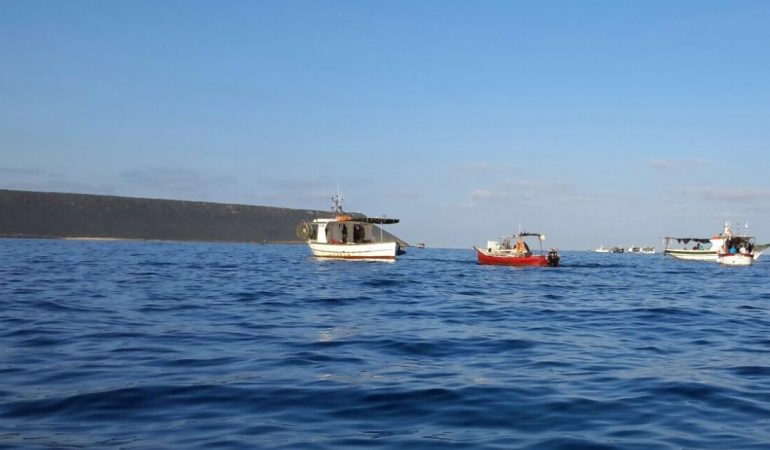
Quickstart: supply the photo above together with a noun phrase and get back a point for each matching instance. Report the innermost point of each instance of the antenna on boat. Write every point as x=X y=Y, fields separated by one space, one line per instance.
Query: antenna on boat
x=337 y=201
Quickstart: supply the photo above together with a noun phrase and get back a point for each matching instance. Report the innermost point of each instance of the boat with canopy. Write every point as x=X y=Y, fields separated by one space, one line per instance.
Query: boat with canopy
x=514 y=251
x=349 y=236
x=724 y=248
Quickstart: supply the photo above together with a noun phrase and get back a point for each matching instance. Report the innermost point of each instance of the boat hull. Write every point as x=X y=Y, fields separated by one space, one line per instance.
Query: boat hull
x=377 y=250
x=511 y=260
x=692 y=255
x=735 y=259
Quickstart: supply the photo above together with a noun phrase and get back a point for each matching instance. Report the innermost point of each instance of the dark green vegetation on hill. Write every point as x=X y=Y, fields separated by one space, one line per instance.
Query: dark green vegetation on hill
x=46 y=214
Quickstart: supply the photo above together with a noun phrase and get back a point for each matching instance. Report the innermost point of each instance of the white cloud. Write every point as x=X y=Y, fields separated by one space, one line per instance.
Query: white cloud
x=17 y=172
x=480 y=194
x=42 y=181
x=719 y=194
x=677 y=164
x=548 y=186
x=476 y=168
x=169 y=181
x=530 y=192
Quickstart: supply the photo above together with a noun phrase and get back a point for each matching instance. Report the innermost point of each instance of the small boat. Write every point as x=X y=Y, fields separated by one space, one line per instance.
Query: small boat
x=514 y=251
x=616 y=250
x=648 y=250
x=348 y=237
x=601 y=249
x=634 y=249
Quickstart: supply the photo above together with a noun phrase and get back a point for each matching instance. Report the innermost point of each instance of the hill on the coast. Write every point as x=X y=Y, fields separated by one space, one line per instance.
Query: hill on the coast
x=58 y=215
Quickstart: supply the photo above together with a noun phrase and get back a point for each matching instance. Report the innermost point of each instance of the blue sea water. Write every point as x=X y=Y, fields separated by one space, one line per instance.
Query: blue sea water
x=147 y=345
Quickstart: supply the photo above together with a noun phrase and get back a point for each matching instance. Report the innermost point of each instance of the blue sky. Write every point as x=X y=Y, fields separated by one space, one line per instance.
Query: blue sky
x=594 y=122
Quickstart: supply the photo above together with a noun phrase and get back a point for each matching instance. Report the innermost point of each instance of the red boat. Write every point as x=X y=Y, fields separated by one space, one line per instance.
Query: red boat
x=514 y=251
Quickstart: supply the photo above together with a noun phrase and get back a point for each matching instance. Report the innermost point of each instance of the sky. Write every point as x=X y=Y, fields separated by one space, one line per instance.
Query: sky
x=592 y=122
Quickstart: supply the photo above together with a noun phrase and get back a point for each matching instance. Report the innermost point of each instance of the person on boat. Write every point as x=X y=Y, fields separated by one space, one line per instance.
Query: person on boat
x=521 y=247
x=344 y=234
x=331 y=236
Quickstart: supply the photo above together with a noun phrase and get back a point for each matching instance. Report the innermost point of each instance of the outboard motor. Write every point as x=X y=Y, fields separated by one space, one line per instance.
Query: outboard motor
x=553 y=257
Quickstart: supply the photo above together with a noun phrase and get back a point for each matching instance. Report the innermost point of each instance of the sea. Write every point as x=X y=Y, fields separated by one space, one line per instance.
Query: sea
x=153 y=345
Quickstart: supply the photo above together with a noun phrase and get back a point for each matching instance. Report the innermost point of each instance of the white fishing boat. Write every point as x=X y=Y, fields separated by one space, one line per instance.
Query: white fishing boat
x=702 y=249
x=602 y=249
x=648 y=250
x=718 y=248
x=346 y=236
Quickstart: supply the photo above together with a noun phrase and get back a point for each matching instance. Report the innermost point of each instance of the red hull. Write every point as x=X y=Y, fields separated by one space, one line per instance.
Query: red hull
x=533 y=260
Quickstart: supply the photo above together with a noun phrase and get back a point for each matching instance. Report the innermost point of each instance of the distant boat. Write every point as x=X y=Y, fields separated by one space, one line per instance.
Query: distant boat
x=348 y=237
x=646 y=250
x=514 y=251
x=603 y=249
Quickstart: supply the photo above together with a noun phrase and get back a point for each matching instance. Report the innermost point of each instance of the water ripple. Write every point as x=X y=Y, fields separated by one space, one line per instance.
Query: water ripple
x=145 y=345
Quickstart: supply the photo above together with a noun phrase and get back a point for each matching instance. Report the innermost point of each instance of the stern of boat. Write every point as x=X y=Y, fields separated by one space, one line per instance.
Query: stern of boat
x=553 y=257
x=737 y=259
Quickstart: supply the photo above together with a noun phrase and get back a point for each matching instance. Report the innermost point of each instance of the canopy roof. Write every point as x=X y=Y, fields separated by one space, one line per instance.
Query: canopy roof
x=523 y=234
x=687 y=240
x=378 y=220
x=359 y=219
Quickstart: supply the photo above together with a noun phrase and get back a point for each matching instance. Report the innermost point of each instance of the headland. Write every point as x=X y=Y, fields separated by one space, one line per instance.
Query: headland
x=28 y=214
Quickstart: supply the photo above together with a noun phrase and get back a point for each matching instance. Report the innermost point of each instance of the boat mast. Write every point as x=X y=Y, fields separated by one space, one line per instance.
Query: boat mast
x=337 y=202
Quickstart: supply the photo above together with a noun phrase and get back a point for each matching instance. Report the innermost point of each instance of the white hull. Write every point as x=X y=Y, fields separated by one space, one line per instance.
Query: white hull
x=376 y=250
x=737 y=259
x=693 y=255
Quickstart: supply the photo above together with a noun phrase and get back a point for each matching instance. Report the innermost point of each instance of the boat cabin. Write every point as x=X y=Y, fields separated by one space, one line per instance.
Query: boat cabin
x=738 y=244
x=515 y=245
x=347 y=230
